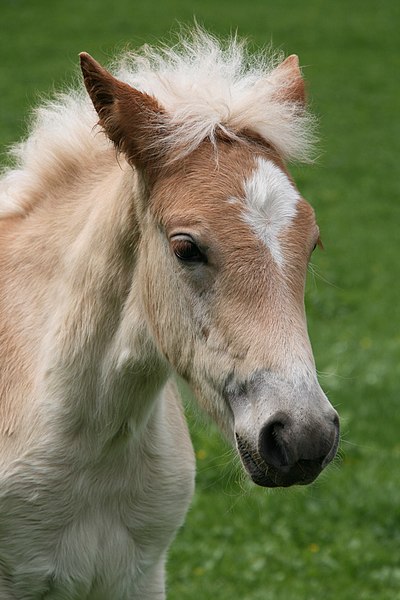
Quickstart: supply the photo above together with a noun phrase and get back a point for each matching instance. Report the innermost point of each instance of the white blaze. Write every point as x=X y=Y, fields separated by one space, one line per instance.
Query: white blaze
x=271 y=203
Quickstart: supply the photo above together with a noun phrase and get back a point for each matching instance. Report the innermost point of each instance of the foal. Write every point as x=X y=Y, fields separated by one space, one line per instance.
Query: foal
x=176 y=242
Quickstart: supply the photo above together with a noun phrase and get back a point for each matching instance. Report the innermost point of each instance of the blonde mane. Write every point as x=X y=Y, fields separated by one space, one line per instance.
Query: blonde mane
x=204 y=87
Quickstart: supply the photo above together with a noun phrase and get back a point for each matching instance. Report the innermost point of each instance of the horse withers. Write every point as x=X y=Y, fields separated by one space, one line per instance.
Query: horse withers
x=168 y=239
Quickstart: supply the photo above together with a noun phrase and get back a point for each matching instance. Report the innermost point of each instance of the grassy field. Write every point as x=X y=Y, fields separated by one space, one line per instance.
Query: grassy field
x=340 y=538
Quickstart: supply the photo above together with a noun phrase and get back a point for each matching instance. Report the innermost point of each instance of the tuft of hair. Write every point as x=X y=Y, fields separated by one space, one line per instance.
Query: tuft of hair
x=62 y=141
x=205 y=86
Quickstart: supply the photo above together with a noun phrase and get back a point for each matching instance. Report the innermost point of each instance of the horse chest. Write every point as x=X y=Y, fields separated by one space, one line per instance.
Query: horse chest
x=93 y=535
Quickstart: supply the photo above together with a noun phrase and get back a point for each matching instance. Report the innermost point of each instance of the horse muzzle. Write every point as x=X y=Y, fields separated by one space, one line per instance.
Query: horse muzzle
x=288 y=455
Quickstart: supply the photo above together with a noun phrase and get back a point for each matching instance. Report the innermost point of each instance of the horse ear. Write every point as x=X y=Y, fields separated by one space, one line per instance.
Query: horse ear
x=290 y=80
x=131 y=119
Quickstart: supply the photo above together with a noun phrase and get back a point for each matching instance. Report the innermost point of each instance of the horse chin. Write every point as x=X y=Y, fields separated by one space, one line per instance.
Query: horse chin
x=273 y=480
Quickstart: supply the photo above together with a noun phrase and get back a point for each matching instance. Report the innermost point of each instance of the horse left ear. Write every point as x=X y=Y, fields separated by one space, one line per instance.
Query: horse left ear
x=131 y=119
x=291 y=82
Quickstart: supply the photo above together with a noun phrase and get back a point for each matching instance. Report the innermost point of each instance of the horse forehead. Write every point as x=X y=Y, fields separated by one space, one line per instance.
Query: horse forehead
x=208 y=177
x=249 y=189
x=269 y=195
x=271 y=204
x=202 y=184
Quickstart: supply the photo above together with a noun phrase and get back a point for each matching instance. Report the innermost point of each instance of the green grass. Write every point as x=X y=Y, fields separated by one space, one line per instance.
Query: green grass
x=340 y=538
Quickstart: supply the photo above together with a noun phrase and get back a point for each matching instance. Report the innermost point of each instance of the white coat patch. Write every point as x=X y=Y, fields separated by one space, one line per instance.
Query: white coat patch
x=270 y=204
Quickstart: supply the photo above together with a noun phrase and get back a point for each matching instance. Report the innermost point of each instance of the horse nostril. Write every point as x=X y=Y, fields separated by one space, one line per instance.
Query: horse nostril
x=271 y=445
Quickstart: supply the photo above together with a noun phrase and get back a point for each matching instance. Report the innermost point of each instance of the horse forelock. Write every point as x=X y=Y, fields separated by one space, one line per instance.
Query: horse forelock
x=207 y=90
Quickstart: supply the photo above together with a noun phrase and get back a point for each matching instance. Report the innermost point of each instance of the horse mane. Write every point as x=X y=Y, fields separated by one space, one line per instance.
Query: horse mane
x=205 y=87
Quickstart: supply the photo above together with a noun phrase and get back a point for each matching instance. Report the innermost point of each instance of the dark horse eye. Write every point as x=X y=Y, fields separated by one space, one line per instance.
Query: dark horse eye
x=186 y=250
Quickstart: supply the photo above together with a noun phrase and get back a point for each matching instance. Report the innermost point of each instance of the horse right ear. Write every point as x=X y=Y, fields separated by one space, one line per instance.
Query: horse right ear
x=291 y=82
x=131 y=119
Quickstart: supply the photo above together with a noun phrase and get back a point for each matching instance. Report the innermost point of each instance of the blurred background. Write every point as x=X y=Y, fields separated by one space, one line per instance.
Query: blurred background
x=338 y=539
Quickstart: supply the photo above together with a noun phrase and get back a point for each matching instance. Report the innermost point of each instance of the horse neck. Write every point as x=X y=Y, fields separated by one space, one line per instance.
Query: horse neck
x=99 y=369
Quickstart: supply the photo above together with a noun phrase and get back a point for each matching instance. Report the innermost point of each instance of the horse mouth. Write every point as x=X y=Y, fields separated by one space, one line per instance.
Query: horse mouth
x=264 y=475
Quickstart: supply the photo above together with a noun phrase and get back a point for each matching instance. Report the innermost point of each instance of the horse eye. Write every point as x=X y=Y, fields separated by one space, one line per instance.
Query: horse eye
x=186 y=250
